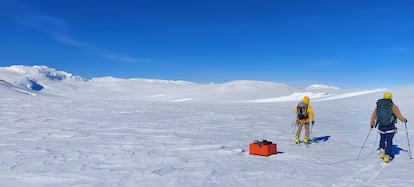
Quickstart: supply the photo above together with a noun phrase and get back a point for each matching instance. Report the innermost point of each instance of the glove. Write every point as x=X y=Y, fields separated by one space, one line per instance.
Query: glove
x=313 y=122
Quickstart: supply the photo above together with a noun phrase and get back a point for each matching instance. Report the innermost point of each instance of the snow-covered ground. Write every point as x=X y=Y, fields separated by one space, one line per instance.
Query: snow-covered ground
x=85 y=136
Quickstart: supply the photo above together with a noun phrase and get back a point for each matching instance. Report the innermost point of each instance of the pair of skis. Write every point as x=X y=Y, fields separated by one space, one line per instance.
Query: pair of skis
x=301 y=143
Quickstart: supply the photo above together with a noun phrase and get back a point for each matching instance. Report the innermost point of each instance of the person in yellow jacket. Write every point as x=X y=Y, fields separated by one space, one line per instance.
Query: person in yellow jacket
x=305 y=115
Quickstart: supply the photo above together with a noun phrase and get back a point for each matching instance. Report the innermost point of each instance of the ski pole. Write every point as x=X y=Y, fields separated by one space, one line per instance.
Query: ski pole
x=294 y=125
x=310 y=132
x=408 y=141
x=311 y=126
x=363 y=145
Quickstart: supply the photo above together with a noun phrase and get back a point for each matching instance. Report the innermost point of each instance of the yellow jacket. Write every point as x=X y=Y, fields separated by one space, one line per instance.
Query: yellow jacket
x=310 y=115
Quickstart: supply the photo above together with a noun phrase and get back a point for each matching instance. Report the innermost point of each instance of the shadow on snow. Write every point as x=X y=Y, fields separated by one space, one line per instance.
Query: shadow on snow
x=320 y=139
x=396 y=150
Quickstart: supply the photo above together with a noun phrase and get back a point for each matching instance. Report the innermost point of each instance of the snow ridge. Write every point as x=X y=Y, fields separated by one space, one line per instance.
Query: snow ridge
x=50 y=81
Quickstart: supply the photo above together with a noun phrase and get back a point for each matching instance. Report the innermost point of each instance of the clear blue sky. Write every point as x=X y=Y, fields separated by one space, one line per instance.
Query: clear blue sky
x=345 y=43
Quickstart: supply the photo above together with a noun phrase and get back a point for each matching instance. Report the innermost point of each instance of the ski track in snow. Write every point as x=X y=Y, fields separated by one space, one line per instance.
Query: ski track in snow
x=72 y=142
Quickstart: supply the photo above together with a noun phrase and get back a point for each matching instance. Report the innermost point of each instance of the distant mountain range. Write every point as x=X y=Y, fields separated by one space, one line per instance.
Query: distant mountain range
x=42 y=80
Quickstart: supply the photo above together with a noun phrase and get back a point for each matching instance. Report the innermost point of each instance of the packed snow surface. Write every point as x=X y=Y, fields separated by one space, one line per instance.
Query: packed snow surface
x=50 y=138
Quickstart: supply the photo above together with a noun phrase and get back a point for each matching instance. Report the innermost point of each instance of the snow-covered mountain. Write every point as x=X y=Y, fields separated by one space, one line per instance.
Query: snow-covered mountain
x=40 y=79
x=36 y=80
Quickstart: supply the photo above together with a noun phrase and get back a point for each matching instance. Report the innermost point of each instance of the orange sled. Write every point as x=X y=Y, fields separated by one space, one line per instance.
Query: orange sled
x=264 y=148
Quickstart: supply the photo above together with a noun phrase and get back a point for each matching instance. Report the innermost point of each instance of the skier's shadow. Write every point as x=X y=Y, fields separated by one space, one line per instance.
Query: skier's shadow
x=321 y=139
x=396 y=150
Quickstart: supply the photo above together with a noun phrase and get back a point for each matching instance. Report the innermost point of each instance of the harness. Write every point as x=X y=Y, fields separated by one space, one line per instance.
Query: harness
x=387 y=132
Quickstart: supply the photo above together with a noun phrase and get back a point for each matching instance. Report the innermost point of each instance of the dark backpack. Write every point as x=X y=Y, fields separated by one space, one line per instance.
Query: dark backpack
x=385 y=116
x=302 y=109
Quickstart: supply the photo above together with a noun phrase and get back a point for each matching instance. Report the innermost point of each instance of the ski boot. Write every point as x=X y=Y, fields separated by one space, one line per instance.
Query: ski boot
x=387 y=158
x=306 y=140
x=382 y=153
x=297 y=140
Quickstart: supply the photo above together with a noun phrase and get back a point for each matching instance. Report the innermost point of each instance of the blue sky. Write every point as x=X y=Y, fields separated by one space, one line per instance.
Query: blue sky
x=345 y=43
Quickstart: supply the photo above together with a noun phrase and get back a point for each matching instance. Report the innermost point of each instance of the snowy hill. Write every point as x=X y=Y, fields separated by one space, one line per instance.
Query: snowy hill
x=42 y=79
x=109 y=132
x=10 y=89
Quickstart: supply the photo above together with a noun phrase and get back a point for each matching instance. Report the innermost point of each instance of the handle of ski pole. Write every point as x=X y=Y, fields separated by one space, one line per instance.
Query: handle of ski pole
x=375 y=126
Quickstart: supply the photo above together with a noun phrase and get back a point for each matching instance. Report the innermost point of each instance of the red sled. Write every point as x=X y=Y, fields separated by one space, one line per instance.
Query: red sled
x=264 y=148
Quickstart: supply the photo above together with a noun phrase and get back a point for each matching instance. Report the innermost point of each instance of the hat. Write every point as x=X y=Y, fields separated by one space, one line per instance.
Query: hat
x=306 y=99
x=387 y=95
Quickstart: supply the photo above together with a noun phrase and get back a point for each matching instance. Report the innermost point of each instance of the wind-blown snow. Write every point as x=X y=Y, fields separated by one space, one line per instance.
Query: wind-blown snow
x=198 y=140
